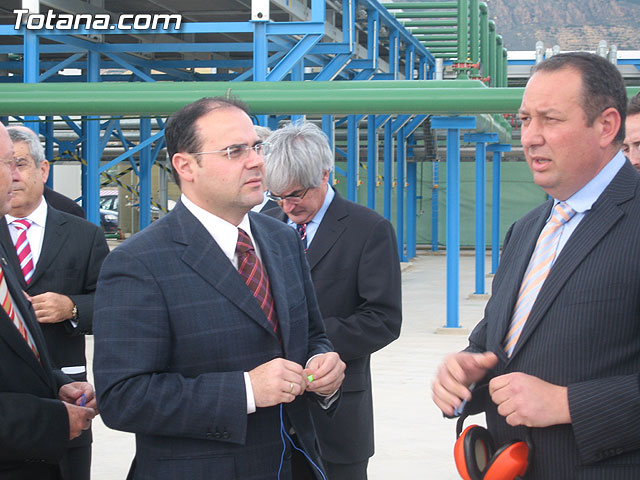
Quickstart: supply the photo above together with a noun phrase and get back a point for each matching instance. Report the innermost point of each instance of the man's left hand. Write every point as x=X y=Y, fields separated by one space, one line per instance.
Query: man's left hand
x=328 y=373
x=81 y=394
x=527 y=400
x=52 y=307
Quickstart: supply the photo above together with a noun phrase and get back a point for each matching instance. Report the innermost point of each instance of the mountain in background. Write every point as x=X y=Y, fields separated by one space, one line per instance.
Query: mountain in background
x=571 y=24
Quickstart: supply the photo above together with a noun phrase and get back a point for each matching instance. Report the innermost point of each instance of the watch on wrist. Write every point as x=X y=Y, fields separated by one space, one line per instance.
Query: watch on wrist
x=74 y=312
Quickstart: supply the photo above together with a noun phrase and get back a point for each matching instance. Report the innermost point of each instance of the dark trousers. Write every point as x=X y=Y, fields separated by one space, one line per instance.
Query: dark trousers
x=76 y=464
x=346 y=471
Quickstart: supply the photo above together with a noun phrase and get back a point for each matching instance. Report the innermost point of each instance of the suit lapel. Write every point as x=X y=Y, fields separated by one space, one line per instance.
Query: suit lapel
x=516 y=261
x=595 y=225
x=203 y=255
x=273 y=264
x=329 y=231
x=10 y=334
x=11 y=255
x=54 y=239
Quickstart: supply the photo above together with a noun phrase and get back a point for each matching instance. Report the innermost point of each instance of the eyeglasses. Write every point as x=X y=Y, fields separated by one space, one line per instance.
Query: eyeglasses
x=19 y=163
x=240 y=152
x=293 y=197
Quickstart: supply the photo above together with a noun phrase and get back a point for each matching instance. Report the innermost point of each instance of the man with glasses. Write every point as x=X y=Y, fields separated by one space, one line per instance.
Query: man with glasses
x=209 y=344
x=41 y=409
x=60 y=256
x=353 y=256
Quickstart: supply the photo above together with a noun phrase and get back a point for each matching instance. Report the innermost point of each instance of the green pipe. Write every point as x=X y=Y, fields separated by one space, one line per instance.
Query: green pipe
x=426 y=14
x=505 y=64
x=436 y=31
x=484 y=38
x=426 y=41
x=452 y=52
x=431 y=23
x=494 y=123
x=474 y=36
x=446 y=56
x=419 y=5
x=427 y=33
x=91 y=99
x=463 y=34
x=492 y=52
x=499 y=62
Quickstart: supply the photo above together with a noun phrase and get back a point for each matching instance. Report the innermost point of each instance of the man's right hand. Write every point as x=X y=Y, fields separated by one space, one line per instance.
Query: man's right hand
x=450 y=387
x=79 y=419
x=277 y=381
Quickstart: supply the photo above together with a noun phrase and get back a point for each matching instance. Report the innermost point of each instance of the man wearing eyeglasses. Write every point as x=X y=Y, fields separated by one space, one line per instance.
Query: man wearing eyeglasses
x=352 y=253
x=209 y=344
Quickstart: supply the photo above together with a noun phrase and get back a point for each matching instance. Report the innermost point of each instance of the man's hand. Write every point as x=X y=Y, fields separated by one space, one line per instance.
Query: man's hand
x=79 y=393
x=526 y=400
x=328 y=373
x=277 y=381
x=79 y=419
x=52 y=307
x=450 y=387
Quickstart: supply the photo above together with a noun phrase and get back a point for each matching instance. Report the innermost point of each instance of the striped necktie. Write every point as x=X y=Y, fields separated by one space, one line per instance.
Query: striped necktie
x=7 y=305
x=539 y=266
x=250 y=268
x=23 y=248
x=302 y=231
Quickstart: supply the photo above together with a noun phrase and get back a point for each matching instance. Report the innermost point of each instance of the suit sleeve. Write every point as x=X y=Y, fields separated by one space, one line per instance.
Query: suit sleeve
x=84 y=300
x=32 y=428
x=136 y=388
x=377 y=319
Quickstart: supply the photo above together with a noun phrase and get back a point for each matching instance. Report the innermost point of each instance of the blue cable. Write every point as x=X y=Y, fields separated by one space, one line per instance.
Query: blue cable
x=283 y=434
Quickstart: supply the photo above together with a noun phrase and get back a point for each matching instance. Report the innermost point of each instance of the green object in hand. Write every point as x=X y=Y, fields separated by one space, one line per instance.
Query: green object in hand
x=310 y=378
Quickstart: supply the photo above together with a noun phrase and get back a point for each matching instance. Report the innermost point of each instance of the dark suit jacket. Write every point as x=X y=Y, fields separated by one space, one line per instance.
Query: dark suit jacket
x=356 y=274
x=63 y=203
x=34 y=426
x=583 y=332
x=175 y=328
x=73 y=250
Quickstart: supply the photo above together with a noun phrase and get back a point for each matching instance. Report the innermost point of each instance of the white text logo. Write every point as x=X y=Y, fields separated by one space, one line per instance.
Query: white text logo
x=99 y=21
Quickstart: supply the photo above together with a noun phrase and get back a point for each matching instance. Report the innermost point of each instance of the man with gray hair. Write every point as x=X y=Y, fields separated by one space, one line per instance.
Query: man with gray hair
x=59 y=256
x=353 y=256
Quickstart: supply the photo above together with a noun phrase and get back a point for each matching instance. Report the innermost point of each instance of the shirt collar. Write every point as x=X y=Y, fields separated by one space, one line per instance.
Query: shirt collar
x=37 y=217
x=224 y=233
x=583 y=199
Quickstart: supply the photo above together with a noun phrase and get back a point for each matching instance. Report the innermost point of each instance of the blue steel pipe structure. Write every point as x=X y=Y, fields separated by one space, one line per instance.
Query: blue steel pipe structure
x=453 y=125
x=497 y=149
x=480 y=139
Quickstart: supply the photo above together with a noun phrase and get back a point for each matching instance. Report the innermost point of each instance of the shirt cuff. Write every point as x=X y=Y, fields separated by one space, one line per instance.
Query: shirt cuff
x=251 y=401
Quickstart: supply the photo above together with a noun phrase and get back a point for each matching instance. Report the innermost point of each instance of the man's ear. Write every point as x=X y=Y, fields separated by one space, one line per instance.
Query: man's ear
x=183 y=164
x=610 y=124
x=44 y=169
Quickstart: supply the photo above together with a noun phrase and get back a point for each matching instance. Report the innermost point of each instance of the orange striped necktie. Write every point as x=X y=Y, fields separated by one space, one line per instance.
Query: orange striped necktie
x=7 y=304
x=539 y=266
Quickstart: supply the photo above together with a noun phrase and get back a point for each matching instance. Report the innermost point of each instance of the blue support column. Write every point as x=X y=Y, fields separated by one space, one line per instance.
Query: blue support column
x=48 y=147
x=352 y=158
x=400 y=164
x=481 y=140
x=372 y=161
x=388 y=168
x=497 y=149
x=92 y=143
x=412 y=193
x=31 y=72
x=145 y=175
x=328 y=129
x=434 y=207
x=453 y=125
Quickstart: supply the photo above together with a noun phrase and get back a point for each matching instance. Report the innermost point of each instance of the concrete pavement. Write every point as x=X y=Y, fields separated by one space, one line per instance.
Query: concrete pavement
x=413 y=440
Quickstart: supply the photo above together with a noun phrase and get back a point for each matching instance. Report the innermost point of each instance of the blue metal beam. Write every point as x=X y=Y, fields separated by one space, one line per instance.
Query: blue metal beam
x=497 y=149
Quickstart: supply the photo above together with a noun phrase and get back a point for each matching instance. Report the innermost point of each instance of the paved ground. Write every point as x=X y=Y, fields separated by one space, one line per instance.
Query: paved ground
x=413 y=441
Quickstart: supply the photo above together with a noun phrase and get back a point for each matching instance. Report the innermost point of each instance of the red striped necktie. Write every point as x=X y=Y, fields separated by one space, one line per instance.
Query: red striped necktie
x=7 y=305
x=250 y=268
x=23 y=248
x=302 y=231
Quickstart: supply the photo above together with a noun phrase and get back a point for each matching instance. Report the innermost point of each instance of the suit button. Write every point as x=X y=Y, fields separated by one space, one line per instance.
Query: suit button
x=619 y=451
x=209 y=435
x=218 y=435
x=225 y=435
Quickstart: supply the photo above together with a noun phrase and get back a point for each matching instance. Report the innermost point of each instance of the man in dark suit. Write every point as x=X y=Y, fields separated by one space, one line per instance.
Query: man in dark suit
x=352 y=253
x=631 y=146
x=39 y=408
x=210 y=363
x=559 y=345
x=60 y=256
